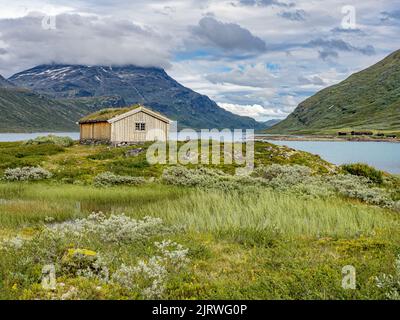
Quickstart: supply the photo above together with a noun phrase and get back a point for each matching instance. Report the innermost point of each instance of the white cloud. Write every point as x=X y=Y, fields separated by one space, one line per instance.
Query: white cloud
x=157 y=32
x=249 y=75
x=227 y=36
x=255 y=111
x=79 y=39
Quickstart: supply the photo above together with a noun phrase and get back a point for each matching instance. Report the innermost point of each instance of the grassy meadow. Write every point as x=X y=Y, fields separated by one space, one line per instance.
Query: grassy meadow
x=197 y=235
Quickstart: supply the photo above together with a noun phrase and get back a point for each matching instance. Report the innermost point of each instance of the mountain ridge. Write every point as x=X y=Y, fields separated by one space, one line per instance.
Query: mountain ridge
x=368 y=99
x=4 y=83
x=130 y=85
x=272 y=122
x=25 y=111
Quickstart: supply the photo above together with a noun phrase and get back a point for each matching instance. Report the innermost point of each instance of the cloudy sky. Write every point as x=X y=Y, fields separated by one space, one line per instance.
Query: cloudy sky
x=253 y=57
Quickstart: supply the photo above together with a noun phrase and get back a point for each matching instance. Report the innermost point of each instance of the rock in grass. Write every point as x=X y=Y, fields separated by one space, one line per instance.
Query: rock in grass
x=133 y=152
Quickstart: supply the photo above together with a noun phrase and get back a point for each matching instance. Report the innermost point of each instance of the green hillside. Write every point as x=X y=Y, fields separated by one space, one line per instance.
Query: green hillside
x=116 y=227
x=25 y=111
x=129 y=85
x=369 y=99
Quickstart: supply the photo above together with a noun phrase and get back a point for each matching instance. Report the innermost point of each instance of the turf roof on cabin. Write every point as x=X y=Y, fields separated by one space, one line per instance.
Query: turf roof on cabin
x=106 y=114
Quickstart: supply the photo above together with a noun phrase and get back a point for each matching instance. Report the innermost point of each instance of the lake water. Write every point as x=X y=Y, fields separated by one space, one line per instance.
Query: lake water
x=12 y=137
x=382 y=155
x=182 y=136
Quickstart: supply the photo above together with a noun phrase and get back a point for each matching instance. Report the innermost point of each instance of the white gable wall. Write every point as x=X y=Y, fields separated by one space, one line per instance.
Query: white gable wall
x=124 y=129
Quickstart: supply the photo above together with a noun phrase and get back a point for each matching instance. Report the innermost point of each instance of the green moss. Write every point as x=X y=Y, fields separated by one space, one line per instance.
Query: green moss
x=106 y=114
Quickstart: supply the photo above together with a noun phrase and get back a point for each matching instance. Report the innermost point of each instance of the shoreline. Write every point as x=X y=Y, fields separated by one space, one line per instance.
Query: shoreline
x=324 y=138
x=257 y=137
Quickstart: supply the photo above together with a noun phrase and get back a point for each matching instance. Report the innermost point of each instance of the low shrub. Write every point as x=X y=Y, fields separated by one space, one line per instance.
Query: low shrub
x=116 y=228
x=150 y=276
x=293 y=179
x=299 y=179
x=51 y=139
x=89 y=249
x=84 y=263
x=364 y=170
x=182 y=176
x=296 y=172
x=360 y=188
x=390 y=284
x=26 y=174
x=109 y=179
x=282 y=176
x=207 y=178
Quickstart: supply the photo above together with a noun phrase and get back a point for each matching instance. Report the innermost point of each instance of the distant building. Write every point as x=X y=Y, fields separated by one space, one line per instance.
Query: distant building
x=362 y=133
x=124 y=125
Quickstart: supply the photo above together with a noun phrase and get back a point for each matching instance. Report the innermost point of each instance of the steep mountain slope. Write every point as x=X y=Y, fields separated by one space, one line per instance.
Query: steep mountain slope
x=5 y=83
x=148 y=86
x=22 y=111
x=369 y=99
x=270 y=123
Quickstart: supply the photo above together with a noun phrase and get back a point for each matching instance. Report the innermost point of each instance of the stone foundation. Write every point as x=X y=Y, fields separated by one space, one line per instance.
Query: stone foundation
x=127 y=144
x=93 y=142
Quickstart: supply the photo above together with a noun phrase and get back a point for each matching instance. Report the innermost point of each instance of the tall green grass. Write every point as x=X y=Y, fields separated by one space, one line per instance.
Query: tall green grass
x=217 y=212
x=249 y=245
x=25 y=203
x=270 y=212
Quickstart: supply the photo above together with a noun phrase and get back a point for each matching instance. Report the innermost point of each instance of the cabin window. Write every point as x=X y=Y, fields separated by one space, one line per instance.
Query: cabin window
x=140 y=126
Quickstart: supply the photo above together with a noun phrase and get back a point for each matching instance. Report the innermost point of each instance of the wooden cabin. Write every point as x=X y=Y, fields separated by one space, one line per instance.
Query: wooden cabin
x=362 y=133
x=124 y=125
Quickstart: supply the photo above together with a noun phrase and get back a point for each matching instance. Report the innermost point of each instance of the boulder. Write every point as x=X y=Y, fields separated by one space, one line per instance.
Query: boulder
x=133 y=152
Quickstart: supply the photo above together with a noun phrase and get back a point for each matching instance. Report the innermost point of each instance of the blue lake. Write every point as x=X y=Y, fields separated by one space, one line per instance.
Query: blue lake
x=12 y=137
x=382 y=155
